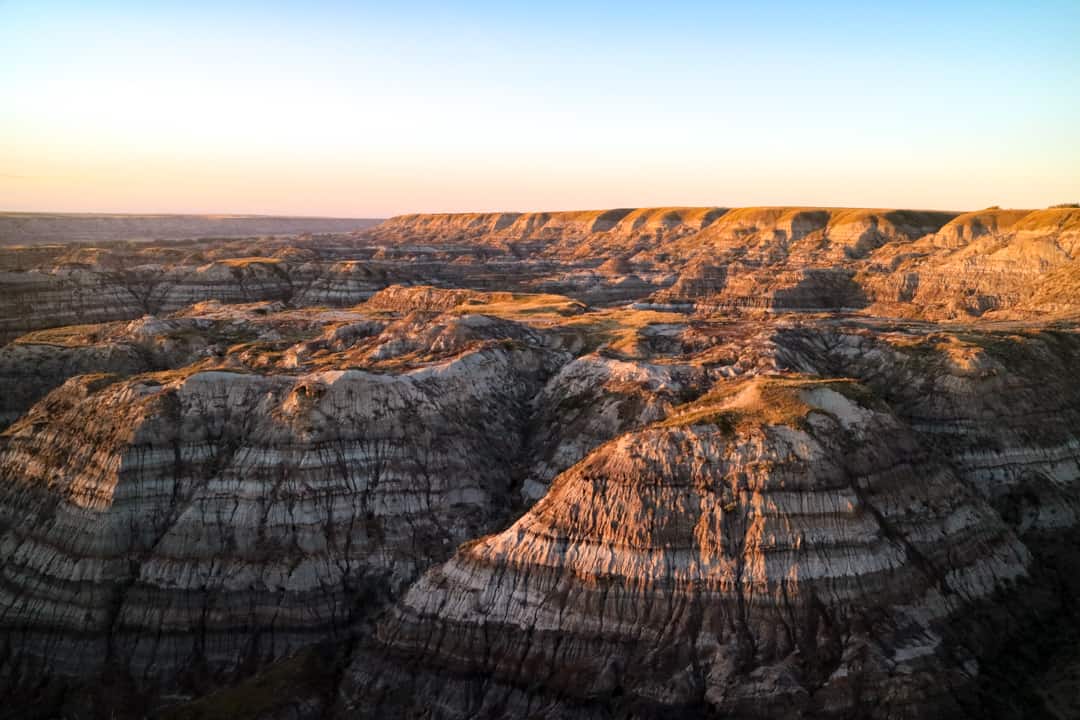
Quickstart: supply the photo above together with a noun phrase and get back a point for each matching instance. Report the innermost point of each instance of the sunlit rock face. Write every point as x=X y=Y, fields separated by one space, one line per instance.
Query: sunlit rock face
x=988 y=261
x=776 y=547
x=1002 y=408
x=774 y=259
x=792 y=548
x=911 y=263
x=29 y=370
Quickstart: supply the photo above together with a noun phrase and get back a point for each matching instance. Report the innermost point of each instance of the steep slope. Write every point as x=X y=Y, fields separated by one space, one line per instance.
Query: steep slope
x=991 y=260
x=782 y=550
x=593 y=399
x=34 y=300
x=177 y=526
x=775 y=547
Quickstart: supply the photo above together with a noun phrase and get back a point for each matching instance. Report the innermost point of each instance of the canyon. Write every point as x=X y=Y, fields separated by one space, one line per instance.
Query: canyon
x=771 y=462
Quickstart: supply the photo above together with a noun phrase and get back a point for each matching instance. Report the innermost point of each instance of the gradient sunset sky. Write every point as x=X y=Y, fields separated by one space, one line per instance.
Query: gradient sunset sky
x=371 y=109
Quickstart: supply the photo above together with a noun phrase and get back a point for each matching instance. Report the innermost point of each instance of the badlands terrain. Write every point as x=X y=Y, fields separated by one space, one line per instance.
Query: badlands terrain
x=664 y=462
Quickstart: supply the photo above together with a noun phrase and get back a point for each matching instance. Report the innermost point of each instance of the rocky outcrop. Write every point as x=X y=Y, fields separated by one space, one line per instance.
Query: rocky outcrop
x=344 y=283
x=893 y=262
x=774 y=548
x=38 y=300
x=237 y=280
x=29 y=370
x=982 y=262
x=34 y=300
x=1002 y=408
x=784 y=549
x=907 y=263
x=199 y=523
x=814 y=289
x=402 y=298
x=35 y=363
x=570 y=234
x=700 y=278
x=594 y=399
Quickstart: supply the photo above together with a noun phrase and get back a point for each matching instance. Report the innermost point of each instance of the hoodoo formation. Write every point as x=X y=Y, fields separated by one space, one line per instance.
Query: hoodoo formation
x=631 y=463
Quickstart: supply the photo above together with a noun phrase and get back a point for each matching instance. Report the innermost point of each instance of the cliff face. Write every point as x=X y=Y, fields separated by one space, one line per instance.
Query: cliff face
x=344 y=283
x=993 y=260
x=231 y=281
x=28 y=371
x=35 y=300
x=40 y=361
x=931 y=264
x=593 y=399
x=896 y=262
x=716 y=571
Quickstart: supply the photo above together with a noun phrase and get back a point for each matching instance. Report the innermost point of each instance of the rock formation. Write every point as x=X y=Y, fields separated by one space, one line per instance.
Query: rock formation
x=212 y=519
x=705 y=462
x=777 y=547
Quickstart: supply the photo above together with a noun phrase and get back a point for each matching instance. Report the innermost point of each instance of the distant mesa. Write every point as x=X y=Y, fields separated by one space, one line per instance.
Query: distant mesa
x=17 y=228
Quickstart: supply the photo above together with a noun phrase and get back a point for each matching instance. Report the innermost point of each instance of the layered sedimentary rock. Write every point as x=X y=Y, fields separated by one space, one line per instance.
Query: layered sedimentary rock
x=788 y=258
x=30 y=369
x=209 y=521
x=230 y=281
x=34 y=300
x=431 y=299
x=763 y=462
x=773 y=548
x=35 y=363
x=787 y=549
x=1003 y=408
x=812 y=289
x=593 y=399
x=500 y=229
x=984 y=261
x=342 y=284
x=907 y=263
x=925 y=263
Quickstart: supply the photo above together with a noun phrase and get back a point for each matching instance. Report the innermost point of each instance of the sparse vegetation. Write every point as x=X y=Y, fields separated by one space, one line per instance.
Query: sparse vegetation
x=761 y=401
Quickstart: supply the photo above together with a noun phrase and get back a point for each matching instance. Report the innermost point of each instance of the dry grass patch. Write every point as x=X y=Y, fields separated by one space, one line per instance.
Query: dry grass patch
x=67 y=335
x=618 y=330
x=521 y=306
x=760 y=401
x=245 y=261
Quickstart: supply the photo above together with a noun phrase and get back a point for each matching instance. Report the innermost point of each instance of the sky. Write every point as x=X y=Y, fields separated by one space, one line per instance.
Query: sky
x=371 y=109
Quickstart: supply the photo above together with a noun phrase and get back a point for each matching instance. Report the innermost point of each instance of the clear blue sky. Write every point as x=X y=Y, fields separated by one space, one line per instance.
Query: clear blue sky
x=379 y=108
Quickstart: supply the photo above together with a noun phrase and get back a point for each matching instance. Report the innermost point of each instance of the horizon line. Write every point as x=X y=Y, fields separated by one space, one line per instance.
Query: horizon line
x=225 y=215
